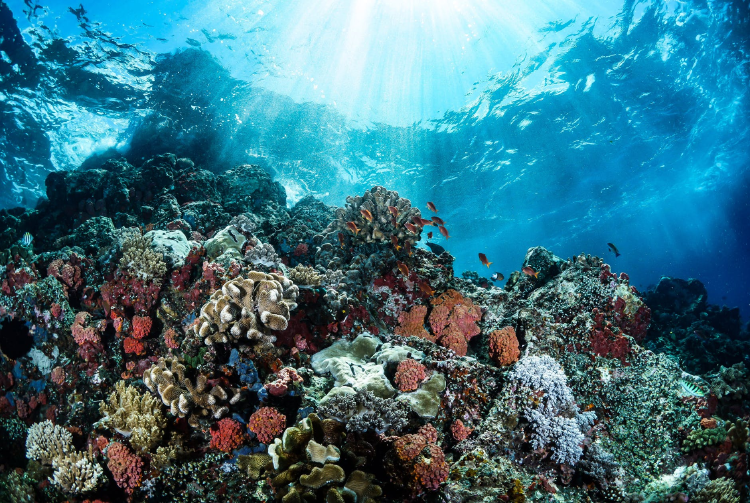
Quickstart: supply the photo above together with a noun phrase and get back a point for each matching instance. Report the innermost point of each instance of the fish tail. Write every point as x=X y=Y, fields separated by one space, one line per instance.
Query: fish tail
x=488 y=264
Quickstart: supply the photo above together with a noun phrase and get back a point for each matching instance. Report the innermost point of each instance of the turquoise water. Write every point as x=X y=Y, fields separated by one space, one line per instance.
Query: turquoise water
x=568 y=125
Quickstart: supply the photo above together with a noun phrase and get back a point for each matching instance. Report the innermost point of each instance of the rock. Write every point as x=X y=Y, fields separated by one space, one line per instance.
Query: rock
x=196 y=185
x=543 y=261
x=247 y=188
x=678 y=296
x=95 y=235
x=173 y=245
x=226 y=240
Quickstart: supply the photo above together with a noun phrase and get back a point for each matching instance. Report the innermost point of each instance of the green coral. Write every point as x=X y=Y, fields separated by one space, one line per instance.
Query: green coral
x=717 y=491
x=697 y=439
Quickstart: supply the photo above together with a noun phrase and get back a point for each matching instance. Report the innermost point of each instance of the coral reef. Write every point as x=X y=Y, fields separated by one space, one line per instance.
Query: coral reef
x=134 y=415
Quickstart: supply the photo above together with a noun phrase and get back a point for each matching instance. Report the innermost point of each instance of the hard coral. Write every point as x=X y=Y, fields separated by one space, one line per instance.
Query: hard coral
x=503 y=346
x=227 y=435
x=417 y=462
x=286 y=377
x=411 y=324
x=409 y=374
x=267 y=423
x=454 y=320
x=126 y=467
x=140 y=261
x=82 y=331
x=141 y=326
x=135 y=415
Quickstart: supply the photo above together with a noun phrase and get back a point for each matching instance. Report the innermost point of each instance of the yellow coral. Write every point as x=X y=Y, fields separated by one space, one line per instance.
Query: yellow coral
x=303 y=275
x=77 y=472
x=135 y=415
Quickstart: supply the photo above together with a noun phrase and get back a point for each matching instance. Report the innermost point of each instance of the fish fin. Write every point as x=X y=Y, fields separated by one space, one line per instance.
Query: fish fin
x=489 y=264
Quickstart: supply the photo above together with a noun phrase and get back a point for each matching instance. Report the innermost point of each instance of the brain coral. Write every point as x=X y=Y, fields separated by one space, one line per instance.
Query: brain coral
x=247 y=308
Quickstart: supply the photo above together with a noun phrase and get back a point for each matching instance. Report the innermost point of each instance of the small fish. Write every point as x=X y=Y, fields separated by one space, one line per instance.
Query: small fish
x=394 y=211
x=341 y=239
x=483 y=259
x=402 y=267
x=443 y=231
x=394 y=242
x=614 y=249
x=353 y=227
x=438 y=220
x=436 y=249
x=366 y=213
x=27 y=239
x=429 y=235
x=426 y=288
x=407 y=247
x=422 y=221
x=411 y=228
x=498 y=276
x=529 y=271
x=431 y=206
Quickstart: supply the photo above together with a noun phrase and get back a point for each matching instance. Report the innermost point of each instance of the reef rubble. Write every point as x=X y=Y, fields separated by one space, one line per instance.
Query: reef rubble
x=171 y=334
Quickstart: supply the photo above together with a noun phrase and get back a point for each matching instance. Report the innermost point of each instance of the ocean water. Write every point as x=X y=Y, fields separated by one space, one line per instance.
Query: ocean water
x=569 y=125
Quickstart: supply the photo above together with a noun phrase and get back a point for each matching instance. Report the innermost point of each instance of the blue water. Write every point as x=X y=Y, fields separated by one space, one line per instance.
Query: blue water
x=562 y=124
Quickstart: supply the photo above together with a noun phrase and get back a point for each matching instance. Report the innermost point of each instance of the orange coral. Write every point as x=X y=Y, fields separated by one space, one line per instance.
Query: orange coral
x=409 y=375
x=227 y=435
x=503 y=346
x=411 y=324
x=131 y=345
x=141 y=326
x=267 y=423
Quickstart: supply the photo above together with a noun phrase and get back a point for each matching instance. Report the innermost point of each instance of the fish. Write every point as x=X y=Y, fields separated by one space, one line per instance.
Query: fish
x=366 y=213
x=614 y=249
x=426 y=288
x=394 y=211
x=403 y=268
x=438 y=220
x=498 y=276
x=341 y=239
x=431 y=206
x=429 y=235
x=529 y=271
x=394 y=242
x=407 y=247
x=443 y=231
x=435 y=248
x=483 y=259
x=27 y=239
x=411 y=228
x=421 y=221
x=353 y=227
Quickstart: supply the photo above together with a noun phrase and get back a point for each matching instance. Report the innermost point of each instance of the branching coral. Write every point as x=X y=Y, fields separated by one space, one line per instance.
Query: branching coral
x=46 y=441
x=247 y=308
x=140 y=261
x=134 y=415
x=303 y=275
x=167 y=378
x=77 y=472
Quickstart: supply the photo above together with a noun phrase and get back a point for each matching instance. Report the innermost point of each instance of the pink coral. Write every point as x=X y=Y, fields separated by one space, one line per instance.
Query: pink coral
x=227 y=435
x=411 y=324
x=126 y=467
x=83 y=333
x=58 y=376
x=409 y=375
x=267 y=423
x=459 y=431
x=430 y=470
x=131 y=345
x=503 y=346
x=170 y=338
x=141 y=326
x=285 y=378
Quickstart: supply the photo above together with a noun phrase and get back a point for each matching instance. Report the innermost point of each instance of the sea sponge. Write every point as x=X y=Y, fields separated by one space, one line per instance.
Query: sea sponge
x=167 y=378
x=247 y=308
x=46 y=441
x=503 y=346
x=135 y=415
x=77 y=472
x=140 y=261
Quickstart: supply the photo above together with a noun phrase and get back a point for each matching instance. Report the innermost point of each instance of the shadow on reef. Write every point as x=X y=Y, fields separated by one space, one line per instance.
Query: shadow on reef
x=192 y=339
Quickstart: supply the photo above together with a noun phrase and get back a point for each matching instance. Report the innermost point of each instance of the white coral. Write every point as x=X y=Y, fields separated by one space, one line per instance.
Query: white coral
x=46 y=441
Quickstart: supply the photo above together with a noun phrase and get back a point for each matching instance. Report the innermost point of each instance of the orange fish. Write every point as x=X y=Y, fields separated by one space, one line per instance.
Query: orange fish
x=423 y=221
x=407 y=247
x=402 y=267
x=438 y=220
x=426 y=288
x=353 y=227
x=483 y=259
x=394 y=241
x=431 y=207
x=429 y=235
x=443 y=231
x=341 y=239
x=529 y=271
x=394 y=211
x=411 y=228
x=366 y=214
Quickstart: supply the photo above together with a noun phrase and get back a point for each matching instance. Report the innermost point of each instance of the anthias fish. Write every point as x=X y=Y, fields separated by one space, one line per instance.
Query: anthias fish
x=436 y=249
x=394 y=242
x=407 y=247
x=529 y=271
x=438 y=220
x=341 y=239
x=498 y=276
x=366 y=214
x=426 y=288
x=431 y=206
x=27 y=239
x=353 y=227
x=483 y=259
x=394 y=211
x=421 y=221
x=411 y=228
x=613 y=248
x=402 y=267
x=443 y=231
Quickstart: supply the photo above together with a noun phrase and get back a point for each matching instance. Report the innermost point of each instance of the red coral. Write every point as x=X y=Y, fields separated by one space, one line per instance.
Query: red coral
x=69 y=274
x=82 y=331
x=126 y=467
x=503 y=346
x=429 y=433
x=606 y=343
x=459 y=431
x=170 y=338
x=409 y=446
x=411 y=324
x=227 y=435
x=409 y=375
x=286 y=377
x=131 y=345
x=430 y=470
x=125 y=292
x=301 y=249
x=141 y=326
x=267 y=423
